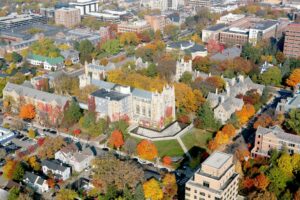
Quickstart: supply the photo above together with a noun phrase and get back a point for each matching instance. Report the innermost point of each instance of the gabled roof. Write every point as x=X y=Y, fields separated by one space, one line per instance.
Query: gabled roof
x=54 y=165
x=36 y=94
x=34 y=179
x=141 y=93
x=279 y=133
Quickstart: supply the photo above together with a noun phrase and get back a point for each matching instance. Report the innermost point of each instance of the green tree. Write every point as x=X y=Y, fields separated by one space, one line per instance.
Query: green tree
x=151 y=70
x=111 y=47
x=206 y=118
x=271 y=77
x=66 y=194
x=16 y=57
x=278 y=180
x=72 y=114
x=293 y=120
x=18 y=172
x=186 y=78
x=285 y=164
x=86 y=49
x=13 y=193
x=172 y=31
x=139 y=193
x=251 y=53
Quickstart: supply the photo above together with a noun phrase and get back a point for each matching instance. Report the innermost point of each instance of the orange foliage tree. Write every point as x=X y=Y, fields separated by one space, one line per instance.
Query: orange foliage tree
x=167 y=160
x=147 y=150
x=116 y=139
x=245 y=113
x=261 y=181
x=229 y=130
x=27 y=111
x=263 y=120
x=169 y=185
x=294 y=78
x=248 y=183
x=9 y=168
x=222 y=137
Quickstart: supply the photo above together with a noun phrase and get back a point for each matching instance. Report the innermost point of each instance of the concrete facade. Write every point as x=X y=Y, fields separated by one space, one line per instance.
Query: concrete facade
x=68 y=17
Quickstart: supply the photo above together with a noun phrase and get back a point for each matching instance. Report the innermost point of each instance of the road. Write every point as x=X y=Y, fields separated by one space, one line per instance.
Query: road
x=247 y=133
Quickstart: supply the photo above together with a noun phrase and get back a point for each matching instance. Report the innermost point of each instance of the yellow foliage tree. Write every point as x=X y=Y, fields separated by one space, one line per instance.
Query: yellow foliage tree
x=152 y=190
x=31 y=133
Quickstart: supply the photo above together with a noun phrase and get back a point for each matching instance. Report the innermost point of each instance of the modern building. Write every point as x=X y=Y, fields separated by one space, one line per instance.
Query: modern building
x=50 y=107
x=199 y=3
x=234 y=36
x=6 y=135
x=86 y=6
x=16 y=21
x=213 y=32
x=216 y=179
x=274 y=138
x=157 y=22
x=68 y=17
x=50 y=64
x=225 y=104
x=136 y=26
x=162 y=5
x=291 y=41
x=188 y=48
x=49 y=13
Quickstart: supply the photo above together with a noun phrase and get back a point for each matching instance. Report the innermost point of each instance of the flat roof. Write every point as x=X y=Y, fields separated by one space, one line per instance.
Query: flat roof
x=216 y=27
x=265 y=24
x=112 y=95
x=217 y=159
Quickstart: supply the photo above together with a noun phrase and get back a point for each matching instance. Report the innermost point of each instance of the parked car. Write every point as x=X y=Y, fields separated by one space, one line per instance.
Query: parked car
x=53 y=132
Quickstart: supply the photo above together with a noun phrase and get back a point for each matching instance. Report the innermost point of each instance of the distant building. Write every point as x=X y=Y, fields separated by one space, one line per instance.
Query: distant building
x=49 y=13
x=227 y=54
x=136 y=26
x=291 y=41
x=6 y=135
x=157 y=22
x=162 y=5
x=216 y=179
x=274 y=138
x=181 y=67
x=225 y=104
x=188 y=47
x=47 y=62
x=71 y=55
x=15 y=21
x=212 y=32
x=86 y=6
x=68 y=17
x=229 y=18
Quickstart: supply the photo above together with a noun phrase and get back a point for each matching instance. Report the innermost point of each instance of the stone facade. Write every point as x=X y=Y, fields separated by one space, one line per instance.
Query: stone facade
x=181 y=67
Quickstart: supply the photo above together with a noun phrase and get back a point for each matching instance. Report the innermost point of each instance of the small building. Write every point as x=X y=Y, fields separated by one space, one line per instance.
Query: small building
x=188 y=47
x=58 y=169
x=50 y=64
x=274 y=138
x=68 y=17
x=71 y=55
x=216 y=179
x=37 y=183
x=136 y=26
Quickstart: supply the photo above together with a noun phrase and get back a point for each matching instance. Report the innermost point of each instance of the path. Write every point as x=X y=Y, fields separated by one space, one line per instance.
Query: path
x=183 y=146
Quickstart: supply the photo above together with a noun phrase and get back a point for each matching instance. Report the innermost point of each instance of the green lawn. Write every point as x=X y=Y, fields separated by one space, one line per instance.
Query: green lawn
x=196 y=138
x=169 y=148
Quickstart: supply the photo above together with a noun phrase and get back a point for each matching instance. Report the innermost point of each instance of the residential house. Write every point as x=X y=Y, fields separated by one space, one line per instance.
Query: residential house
x=74 y=156
x=290 y=103
x=274 y=138
x=49 y=107
x=51 y=64
x=225 y=104
x=71 y=55
x=58 y=169
x=36 y=182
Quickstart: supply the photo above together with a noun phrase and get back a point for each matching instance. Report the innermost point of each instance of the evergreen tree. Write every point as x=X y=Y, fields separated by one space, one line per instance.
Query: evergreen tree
x=206 y=117
x=139 y=193
x=18 y=172
x=72 y=114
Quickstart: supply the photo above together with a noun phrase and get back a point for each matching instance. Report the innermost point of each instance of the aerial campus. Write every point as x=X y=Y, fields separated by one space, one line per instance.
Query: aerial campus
x=149 y=100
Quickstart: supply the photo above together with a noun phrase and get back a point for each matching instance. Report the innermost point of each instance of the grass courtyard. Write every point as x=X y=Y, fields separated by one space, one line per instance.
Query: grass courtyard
x=169 y=148
x=196 y=138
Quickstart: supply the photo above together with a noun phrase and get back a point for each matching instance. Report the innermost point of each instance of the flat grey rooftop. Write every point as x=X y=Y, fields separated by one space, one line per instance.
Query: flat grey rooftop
x=217 y=159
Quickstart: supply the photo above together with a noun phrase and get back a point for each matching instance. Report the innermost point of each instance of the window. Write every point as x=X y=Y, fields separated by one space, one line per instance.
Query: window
x=138 y=109
x=188 y=189
x=202 y=193
x=206 y=184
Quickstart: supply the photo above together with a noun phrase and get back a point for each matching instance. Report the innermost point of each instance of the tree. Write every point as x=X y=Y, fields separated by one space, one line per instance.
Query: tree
x=271 y=77
x=18 y=172
x=16 y=58
x=214 y=46
x=169 y=186
x=167 y=160
x=261 y=181
x=186 y=78
x=251 y=53
x=116 y=139
x=263 y=120
x=297 y=195
x=172 y=31
x=66 y=194
x=109 y=171
x=202 y=64
x=2 y=153
x=72 y=114
x=147 y=150
x=129 y=38
x=292 y=121
x=85 y=48
x=31 y=133
x=229 y=130
x=27 y=111
x=139 y=193
x=9 y=168
x=245 y=113
x=265 y=196
x=280 y=57
x=111 y=47
x=294 y=78
x=33 y=163
x=130 y=146
x=277 y=178
x=152 y=190
x=206 y=118
x=13 y=193
x=50 y=146
x=151 y=70
x=45 y=47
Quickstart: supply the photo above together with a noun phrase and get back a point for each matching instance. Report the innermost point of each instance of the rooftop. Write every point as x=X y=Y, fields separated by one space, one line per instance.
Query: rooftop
x=111 y=95
x=264 y=24
x=216 y=27
x=217 y=159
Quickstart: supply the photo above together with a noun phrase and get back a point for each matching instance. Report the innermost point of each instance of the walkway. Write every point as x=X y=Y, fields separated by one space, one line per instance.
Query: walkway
x=183 y=147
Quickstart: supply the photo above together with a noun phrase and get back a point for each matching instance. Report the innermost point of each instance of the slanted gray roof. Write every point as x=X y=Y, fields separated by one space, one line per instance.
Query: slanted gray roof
x=279 y=133
x=54 y=165
x=216 y=27
x=33 y=178
x=103 y=84
x=36 y=94
x=142 y=93
x=229 y=53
